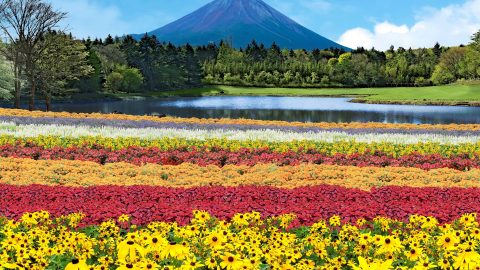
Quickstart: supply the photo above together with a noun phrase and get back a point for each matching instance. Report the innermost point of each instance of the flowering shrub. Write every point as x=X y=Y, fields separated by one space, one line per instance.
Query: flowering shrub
x=225 y=121
x=244 y=156
x=118 y=123
x=81 y=173
x=94 y=191
x=245 y=242
x=250 y=135
x=147 y=203
x=326 y=148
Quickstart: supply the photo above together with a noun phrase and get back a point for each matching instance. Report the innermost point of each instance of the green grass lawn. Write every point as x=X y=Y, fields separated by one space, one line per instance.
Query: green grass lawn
x=454 y=94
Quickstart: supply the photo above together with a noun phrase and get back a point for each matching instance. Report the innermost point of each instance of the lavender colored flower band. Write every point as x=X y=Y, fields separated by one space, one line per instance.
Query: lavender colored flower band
x=194 y=126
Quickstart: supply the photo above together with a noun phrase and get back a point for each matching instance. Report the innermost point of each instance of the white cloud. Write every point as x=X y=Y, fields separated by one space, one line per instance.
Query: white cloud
x=386 y=28
x=357 y=37
x=450 y=26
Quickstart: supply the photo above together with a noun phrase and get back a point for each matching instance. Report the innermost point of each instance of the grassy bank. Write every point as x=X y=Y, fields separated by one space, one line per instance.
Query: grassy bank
x=454 y=94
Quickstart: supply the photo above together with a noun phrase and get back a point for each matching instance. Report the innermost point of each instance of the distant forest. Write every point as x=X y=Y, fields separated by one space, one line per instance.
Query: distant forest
x=164 y=66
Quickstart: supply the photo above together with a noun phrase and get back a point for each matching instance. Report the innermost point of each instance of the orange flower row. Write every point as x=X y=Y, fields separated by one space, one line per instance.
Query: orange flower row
x=83 y=173
x=39 y=114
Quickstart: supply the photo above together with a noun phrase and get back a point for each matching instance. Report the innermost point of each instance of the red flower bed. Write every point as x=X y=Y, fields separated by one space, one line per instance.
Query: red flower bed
x=220 y=157
x=311 y=204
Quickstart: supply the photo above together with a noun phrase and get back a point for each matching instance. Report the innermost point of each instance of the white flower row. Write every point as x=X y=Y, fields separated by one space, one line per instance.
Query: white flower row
x=263 y=135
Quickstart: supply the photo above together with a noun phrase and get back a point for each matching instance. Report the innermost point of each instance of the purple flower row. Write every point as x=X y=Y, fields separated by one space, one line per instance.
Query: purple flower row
x=193 y=126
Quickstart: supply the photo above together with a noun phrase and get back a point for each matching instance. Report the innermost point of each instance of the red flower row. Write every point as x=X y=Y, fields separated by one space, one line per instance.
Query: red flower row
x=250 y=157
x=310 y=204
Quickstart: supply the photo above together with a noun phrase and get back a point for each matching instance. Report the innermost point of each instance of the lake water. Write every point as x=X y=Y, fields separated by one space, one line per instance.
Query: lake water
x=303 y=109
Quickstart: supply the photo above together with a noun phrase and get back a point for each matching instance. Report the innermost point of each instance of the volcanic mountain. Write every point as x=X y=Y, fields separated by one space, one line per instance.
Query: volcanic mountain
x=240 y=22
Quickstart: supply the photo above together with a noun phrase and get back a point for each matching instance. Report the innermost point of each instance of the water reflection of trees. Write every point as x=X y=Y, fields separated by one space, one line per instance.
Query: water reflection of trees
x=467 y=115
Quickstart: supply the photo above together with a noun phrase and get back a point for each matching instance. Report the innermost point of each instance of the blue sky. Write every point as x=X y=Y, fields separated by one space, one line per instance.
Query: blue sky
x=353 y=23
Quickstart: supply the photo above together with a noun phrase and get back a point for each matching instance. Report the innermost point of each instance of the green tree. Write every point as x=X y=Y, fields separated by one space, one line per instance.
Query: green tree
x=109 y=40
x=360 y=68
x=476 y=41
x=93 y=82
x=191 y=66
x=469 y=66
x=110 y=56
x=437 y=50
x=124 y=79
x=11 y=53
x=62 y=60
x=448 y=69
x=114 y=82
x=25 y=22
x=7 y=79
x=344 y=58
x=228 y=55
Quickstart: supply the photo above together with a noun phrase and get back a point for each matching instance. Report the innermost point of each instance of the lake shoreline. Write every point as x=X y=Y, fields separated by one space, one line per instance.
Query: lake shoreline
x=290 y=109
x=418 y=103
x=354 y=99
x=465 y=95
x=458 y=95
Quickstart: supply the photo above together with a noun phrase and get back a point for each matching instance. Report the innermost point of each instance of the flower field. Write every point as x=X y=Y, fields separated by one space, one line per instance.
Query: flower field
x=92 y=191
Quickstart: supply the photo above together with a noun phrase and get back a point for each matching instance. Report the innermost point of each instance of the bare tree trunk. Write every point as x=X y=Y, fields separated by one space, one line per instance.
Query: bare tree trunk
x=48 y=102
x=31 y=104
x=17 y=95
x=18 y=86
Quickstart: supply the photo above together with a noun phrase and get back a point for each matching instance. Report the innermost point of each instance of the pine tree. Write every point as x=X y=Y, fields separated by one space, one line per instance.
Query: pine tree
x=437 y=50
x=191 y=66
x=109 y=40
